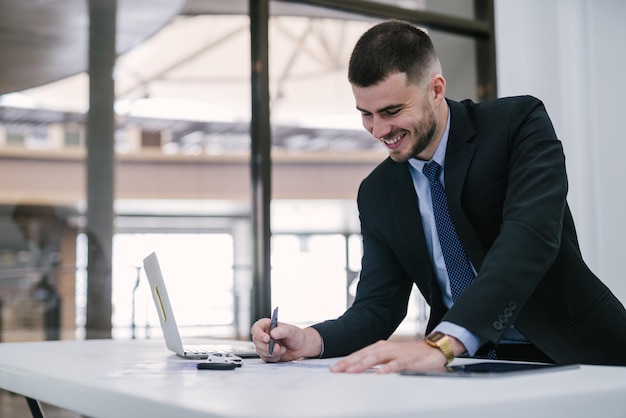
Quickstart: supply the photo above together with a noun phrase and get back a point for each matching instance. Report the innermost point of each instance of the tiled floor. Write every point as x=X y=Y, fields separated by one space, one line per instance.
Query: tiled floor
x=15 y=406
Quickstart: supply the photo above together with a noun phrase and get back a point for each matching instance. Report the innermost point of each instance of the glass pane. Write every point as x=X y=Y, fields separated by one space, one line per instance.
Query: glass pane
x=308 y=277
x=37 y=258
x=198 y=272
x=458 y=8
x=182 y=151
x=458 y=61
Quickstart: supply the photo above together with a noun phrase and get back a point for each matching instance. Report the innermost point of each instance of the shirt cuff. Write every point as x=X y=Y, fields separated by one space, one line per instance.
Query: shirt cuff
x=471 y=341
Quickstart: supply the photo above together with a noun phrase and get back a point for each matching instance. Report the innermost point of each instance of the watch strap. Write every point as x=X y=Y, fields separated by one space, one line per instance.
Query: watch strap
x=442 y=342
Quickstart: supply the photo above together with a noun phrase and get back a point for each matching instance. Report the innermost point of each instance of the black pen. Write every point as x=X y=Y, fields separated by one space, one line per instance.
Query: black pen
x=272 y=326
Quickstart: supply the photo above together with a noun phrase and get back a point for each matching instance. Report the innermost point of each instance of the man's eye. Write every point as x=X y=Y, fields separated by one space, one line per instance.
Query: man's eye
x=393 y=112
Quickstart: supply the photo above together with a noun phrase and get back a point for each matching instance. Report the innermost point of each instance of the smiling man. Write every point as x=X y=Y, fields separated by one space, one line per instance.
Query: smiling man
x=471 y=208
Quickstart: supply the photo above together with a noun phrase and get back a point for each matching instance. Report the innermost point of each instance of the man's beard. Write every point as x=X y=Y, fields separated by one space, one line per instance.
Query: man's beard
x=423 y=135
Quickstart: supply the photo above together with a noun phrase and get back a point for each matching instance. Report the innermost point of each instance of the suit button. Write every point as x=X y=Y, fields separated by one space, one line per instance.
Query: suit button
x=512 y=305
x=497 y=326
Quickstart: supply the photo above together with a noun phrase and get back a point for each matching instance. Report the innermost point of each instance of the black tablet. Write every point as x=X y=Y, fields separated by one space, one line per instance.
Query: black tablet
x=488 y=369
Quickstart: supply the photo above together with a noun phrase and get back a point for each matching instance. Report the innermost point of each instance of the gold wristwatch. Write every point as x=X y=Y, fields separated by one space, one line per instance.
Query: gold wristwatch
x=441 y=341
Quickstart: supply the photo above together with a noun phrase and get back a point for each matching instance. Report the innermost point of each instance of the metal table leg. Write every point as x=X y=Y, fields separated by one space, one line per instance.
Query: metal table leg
x=35 y=407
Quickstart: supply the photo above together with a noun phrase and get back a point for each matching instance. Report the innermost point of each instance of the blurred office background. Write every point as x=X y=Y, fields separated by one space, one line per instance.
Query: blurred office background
x=182 y=177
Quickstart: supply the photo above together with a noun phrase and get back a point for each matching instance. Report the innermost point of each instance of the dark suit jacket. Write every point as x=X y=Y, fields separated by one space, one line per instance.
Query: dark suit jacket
x=506 y=186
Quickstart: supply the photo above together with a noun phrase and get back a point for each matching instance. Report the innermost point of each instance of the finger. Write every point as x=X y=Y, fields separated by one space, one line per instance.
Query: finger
x=281 y=331
x=354 y=363
x=339 y=367
x=276 y=356
x=363 y=359
x=277 y=352
x=260 y=329
x=392 y=366
x=260 y=346
x=262 y=350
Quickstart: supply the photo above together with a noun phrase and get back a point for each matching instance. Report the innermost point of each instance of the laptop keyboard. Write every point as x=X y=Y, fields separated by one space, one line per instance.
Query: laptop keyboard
x=205 y=349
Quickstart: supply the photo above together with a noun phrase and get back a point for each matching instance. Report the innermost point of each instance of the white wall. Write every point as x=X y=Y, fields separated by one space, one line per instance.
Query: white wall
x=571 y=54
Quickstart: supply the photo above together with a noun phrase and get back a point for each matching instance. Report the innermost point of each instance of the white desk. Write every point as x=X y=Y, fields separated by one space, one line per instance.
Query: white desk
x=142 y=379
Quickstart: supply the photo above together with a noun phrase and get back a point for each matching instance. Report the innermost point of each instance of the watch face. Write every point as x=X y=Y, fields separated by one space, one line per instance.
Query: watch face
x=436 y=336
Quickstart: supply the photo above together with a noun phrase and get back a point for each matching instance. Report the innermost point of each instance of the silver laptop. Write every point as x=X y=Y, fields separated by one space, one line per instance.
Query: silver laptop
x=173 y=341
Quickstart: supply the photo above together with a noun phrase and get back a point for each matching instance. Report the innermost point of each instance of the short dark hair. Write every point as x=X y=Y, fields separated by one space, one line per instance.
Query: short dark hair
x=391 y=47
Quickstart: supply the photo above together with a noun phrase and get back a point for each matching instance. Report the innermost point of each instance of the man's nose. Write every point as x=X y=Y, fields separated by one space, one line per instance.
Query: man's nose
x=380 y=128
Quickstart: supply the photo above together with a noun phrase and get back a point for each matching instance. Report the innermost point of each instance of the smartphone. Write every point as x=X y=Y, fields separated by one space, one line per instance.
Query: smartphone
x=216 y=366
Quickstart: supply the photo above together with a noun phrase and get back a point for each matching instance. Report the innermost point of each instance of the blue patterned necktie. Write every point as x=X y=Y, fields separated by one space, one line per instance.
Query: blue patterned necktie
x=459 y=269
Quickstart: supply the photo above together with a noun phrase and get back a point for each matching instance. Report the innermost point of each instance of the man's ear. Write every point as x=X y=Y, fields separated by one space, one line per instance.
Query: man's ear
x=438 y=87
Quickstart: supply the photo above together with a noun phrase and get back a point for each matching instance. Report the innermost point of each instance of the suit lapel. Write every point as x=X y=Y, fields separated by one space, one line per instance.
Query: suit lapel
x=459 y=154
x=405 y=208
x=413 y=252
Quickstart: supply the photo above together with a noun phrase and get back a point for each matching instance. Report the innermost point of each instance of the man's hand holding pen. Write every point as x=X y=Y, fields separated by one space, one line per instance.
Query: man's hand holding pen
x=286 y=342
x=289 y=342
